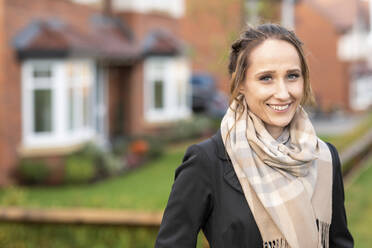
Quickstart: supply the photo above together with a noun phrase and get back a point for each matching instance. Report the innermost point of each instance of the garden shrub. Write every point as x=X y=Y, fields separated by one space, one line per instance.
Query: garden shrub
x=120 y=145
x=18 y=235
x=156 y=147
x=110 y=164
x=80 y=168
x=196 y=127
x=139 y=147
x=33 y=171
x=14 y=235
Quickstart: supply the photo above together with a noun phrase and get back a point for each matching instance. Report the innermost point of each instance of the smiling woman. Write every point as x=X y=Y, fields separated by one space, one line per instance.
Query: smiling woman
x=265 y=179
x=273 y=88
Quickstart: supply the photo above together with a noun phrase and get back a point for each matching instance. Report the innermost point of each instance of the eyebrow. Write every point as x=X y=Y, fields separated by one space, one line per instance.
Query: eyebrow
x=272 y=72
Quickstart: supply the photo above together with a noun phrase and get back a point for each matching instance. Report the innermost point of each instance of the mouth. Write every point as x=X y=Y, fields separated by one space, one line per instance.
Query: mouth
x=279 y=107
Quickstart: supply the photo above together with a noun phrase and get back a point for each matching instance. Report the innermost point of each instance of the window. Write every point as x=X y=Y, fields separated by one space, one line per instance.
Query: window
x=166 y=89
x=79 y=95
x=174 y=8
x=57 y=102
x=41 y=88
x=158 y=94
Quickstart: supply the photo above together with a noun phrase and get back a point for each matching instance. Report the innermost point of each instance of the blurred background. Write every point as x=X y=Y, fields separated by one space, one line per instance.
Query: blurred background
x=100 y=98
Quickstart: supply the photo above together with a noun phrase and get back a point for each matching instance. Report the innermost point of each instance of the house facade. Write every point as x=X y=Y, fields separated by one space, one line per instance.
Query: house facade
x=334 y=34
x=75 y=71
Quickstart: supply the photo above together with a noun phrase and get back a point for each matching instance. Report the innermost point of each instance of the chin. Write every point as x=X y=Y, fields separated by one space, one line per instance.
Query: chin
x=282 y=123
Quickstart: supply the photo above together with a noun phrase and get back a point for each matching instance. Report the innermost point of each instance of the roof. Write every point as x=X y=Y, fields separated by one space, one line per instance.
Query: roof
x=107 y=38
x=342 y=13
x=104 y=39
x=162 y=42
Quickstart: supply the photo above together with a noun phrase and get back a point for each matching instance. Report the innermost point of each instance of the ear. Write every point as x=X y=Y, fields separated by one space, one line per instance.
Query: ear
x=241 y=88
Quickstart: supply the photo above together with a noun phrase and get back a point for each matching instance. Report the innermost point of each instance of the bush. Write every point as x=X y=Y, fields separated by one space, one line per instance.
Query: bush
x=79 y=168
x=120 y=145
x=196 y=127
x=14 y=235
x=110 y=164
x=140 y=145
x=33 y=171
x=156 y=148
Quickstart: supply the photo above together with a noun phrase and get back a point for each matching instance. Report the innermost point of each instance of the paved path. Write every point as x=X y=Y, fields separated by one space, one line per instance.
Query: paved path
x=337 y=124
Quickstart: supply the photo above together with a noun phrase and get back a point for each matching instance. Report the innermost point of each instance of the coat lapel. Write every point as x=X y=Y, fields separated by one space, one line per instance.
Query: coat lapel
x=228 y=169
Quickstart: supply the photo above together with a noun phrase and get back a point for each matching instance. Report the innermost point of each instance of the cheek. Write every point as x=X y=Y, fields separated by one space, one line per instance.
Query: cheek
x=257 y=92
x=256 y=99
x=297 y=90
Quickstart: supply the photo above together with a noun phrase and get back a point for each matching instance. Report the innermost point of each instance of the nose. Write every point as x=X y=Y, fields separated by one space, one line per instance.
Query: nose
x=281 y=91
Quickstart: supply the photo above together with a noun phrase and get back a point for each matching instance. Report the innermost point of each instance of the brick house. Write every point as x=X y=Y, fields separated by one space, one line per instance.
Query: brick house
x=324 y=26
x=71 y=73
x=209 y=27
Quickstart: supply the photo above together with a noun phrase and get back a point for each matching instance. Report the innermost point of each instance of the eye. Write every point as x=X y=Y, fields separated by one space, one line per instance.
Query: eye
x=293 y=76
x=265 y=78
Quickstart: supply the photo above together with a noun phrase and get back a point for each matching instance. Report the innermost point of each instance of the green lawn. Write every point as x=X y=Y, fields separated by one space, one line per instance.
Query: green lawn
x=359 y=207
x=146 y=188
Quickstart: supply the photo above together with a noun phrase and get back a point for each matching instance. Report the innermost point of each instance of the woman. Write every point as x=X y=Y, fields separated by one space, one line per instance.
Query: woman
x=265 y=179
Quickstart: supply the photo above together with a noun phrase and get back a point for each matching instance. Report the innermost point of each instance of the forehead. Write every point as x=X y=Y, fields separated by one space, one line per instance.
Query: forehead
x=274 y=53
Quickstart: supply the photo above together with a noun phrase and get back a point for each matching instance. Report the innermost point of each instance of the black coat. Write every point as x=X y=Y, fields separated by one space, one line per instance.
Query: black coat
x=207 y=195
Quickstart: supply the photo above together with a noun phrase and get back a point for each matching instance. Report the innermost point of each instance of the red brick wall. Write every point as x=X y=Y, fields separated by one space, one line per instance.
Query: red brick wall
x=4 y=158
x=329 y=76
x=142 y=24
x=209 y=27
x=15 y=15
x=137 y=123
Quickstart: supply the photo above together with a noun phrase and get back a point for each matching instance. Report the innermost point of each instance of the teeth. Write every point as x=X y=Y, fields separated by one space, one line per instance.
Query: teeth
x=279 y=107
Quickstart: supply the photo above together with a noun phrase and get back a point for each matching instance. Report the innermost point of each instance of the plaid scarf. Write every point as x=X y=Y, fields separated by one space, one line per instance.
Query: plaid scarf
x=287 y=182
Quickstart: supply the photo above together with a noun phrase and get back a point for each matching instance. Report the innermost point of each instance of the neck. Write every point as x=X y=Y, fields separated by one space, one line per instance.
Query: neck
x=274 y=131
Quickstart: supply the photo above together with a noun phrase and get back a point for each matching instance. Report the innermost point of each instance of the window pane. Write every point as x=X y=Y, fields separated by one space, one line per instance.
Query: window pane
x=158 y=94
x=42 y=72
x=43 y=110
x=86 y=106
x=79 y=77
x=71 y=115
x=180 y=93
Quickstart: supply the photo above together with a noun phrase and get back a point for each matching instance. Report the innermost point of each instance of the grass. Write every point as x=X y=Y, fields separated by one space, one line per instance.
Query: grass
x=342 y=141
x=358 y=203
x=147 y=188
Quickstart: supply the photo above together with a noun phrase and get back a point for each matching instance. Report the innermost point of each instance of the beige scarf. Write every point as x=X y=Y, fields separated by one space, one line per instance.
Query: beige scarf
x=287 y=182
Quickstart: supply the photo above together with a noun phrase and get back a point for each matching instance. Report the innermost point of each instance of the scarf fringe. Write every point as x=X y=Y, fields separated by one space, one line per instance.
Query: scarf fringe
x=323 y=238
x=278 y=243
x=323 y=234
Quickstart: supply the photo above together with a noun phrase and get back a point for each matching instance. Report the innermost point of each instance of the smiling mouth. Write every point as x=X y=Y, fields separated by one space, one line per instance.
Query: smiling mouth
x=280 y=108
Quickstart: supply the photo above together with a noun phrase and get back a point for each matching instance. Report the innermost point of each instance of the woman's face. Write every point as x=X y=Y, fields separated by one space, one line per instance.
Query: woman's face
x=274 y=84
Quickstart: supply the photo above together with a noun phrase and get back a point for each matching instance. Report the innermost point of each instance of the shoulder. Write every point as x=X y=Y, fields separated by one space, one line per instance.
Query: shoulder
x=201 y=156
x=335 y=156
x=336 y=167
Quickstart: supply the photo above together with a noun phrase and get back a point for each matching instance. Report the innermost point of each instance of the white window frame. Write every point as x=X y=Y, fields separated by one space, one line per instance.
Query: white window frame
x=60 y=136
x=361 y=92
x=175 y=8
x=173 y=72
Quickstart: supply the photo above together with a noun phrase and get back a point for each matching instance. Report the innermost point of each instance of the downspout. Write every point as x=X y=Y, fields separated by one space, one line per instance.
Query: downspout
x=107 y=7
